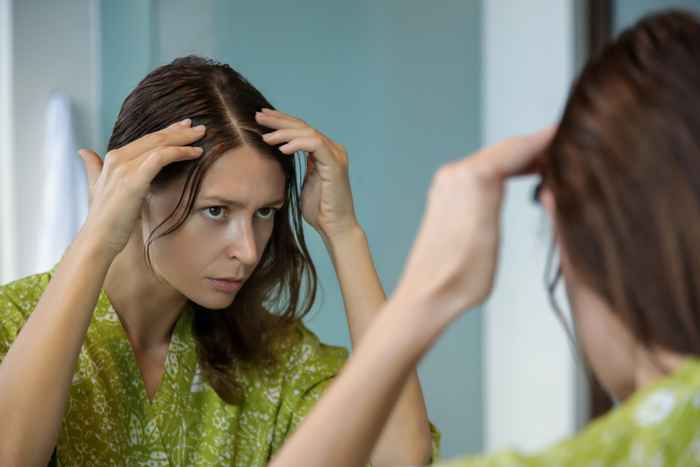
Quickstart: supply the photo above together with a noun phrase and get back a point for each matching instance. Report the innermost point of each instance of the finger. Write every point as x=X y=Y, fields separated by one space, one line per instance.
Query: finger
x=182 y=123
x=282 y=115
x=534 y=168
x=93 y=165
x=303 y=144
x=318 y=145
x=286 y=135
x=516 y=156
x=273 y=120
x=93 y=168
x=153 y=162
x=181 y=135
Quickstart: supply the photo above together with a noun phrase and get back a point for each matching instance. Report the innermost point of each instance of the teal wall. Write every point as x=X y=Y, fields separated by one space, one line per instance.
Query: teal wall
x=397 y=82
x=626 y=12
x=126 y=42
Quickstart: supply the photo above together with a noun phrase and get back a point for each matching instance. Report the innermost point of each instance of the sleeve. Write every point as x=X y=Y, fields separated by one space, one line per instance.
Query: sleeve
x=309 y=368
x=17 y=301
x=313 y=367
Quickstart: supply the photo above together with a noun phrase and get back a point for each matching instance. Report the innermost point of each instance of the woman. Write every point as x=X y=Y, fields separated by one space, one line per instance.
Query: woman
x=170 y=332
x=620 y=183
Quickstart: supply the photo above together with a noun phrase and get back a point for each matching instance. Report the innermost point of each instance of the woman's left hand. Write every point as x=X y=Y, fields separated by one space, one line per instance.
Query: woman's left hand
x=326 y=197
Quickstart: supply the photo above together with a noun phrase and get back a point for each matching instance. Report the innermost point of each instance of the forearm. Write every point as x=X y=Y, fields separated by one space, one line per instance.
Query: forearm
x=36 y=373
x=321 y=440
x=406 y=438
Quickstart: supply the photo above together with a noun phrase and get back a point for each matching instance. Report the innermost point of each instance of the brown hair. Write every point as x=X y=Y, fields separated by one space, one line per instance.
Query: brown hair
x=624 y=169
x=214 y=94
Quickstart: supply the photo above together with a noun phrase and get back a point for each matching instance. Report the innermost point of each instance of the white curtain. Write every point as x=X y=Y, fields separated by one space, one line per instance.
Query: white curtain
x=64 y=199
x=7 y=221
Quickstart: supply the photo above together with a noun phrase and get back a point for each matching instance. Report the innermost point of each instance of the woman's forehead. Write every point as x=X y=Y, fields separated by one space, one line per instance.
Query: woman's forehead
x=244 y=172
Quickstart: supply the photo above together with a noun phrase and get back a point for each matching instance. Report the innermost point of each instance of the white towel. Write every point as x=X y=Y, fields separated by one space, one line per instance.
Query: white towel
x=64 y=200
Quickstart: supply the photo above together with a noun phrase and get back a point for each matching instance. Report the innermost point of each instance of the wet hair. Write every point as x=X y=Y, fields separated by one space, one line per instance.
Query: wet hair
x=624 y=169
x=283 y=286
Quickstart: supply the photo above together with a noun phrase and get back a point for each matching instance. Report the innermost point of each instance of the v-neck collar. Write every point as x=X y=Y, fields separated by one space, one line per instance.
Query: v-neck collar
x=160 y=413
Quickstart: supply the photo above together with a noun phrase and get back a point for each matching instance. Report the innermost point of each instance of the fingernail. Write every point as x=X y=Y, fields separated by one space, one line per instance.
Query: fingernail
x=265 y=109
x=266 y=135
x=199 y=128
x=257 y=114
x=197 y=150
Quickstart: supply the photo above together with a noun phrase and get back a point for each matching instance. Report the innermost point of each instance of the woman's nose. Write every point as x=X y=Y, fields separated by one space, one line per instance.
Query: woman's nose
x=242 y=245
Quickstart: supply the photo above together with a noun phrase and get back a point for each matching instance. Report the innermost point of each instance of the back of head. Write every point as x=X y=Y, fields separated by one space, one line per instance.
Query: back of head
x=624 y=168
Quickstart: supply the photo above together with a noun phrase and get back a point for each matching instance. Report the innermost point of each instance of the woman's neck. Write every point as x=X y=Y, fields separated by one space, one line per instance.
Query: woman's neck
x=655 y=364
x=147 y=306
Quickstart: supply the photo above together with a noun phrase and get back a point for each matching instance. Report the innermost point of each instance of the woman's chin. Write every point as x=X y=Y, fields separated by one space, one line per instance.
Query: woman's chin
x=216 y=301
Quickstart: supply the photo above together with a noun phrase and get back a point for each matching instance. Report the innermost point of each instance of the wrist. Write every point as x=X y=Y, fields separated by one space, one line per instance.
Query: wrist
x=416 y=319
x=425 y=308
x=94 y=246
x=336 y=238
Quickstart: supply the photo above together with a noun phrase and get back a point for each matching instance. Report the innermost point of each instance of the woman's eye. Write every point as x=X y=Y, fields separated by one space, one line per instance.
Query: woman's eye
x=215 y=212
x=266 y=213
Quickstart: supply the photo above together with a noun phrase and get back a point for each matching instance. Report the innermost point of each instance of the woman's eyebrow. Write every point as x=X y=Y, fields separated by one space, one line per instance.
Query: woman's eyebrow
x=230 y=202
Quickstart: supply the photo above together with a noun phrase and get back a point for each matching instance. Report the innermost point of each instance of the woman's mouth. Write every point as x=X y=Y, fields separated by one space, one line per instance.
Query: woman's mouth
x=226 y=285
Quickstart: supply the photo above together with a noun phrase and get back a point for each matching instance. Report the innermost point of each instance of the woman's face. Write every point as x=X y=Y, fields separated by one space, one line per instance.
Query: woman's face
x=220 y=244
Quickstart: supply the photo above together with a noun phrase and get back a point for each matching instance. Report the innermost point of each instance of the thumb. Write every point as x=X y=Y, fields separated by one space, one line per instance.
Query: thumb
x=524 y=154
x=518 y=155
x=93 y=168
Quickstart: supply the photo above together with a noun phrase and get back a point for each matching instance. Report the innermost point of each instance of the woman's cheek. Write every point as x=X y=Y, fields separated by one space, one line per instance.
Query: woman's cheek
x=263 y=235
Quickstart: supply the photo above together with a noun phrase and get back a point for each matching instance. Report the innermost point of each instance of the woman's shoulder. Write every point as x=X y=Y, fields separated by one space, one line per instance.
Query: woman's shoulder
x=21 y=296
x=297 y=347
x=17 y=301
x=655 y=426
x=301 y=361
x=668 y=401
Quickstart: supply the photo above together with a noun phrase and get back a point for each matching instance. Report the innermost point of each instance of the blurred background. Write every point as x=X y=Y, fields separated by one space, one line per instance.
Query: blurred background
x=405 y=85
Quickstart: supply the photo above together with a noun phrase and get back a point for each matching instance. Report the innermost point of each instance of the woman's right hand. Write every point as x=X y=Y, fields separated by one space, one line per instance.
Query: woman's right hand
x=119 y=185
x=453 y=261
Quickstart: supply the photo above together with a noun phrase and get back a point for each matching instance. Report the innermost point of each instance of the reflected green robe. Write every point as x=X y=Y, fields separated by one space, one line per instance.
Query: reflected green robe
x=110 y=421
x=657 y=426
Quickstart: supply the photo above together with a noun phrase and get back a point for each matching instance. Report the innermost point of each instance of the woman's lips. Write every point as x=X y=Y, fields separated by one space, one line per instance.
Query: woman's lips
x=226 y=285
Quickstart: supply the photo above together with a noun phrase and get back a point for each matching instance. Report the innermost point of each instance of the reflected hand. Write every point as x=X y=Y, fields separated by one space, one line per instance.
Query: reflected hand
x=326 y=196
x=118 y=186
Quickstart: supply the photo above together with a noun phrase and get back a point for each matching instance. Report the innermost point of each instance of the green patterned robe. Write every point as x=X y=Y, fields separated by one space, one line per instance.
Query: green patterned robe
x=110 y=421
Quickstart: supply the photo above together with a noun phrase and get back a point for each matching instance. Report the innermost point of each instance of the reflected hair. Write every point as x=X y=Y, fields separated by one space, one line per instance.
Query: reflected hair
x=282 y=289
